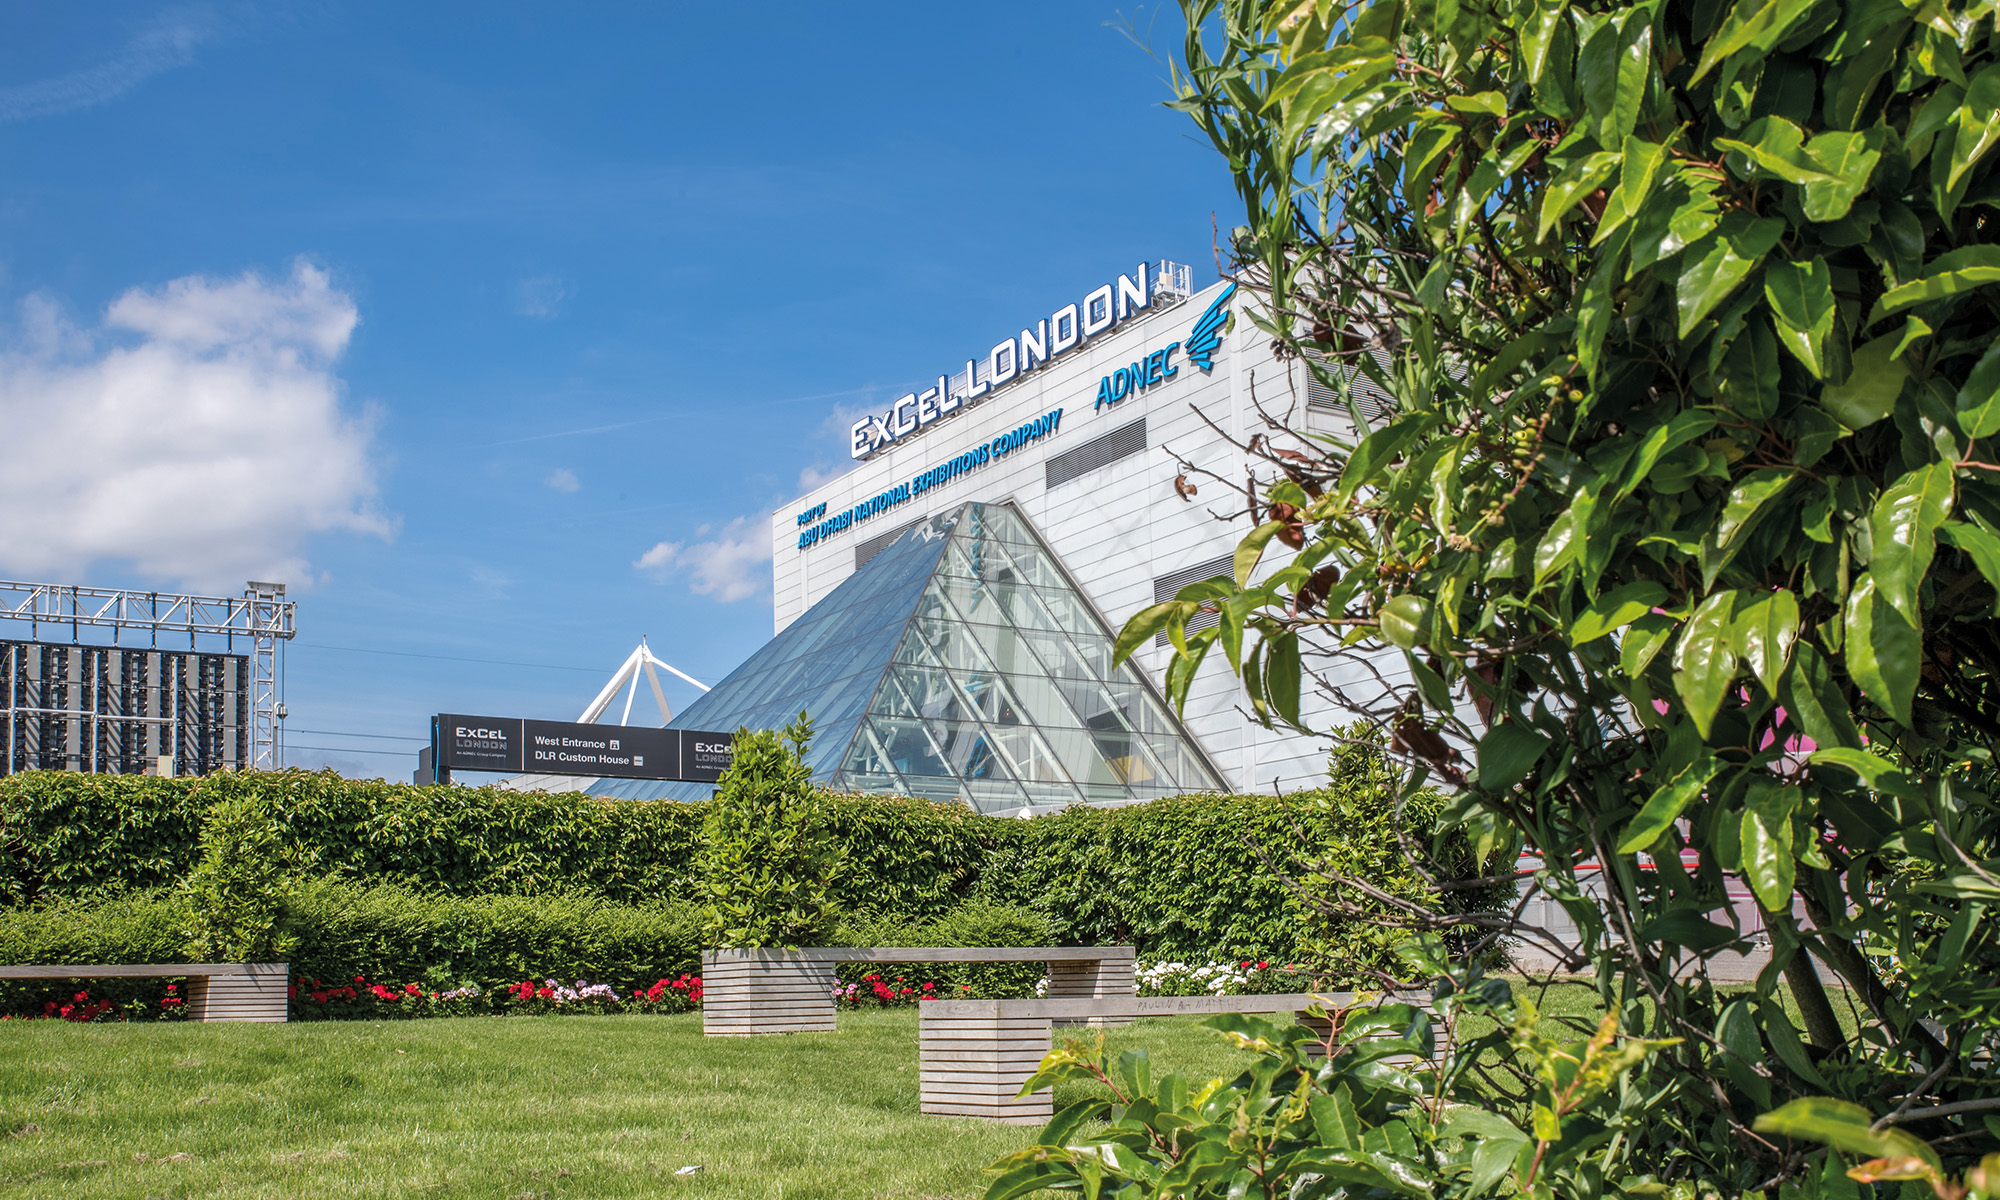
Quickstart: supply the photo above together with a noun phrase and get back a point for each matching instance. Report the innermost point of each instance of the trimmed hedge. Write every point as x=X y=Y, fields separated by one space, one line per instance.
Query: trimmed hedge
x=65 y=833
x=382 y=933
x=1179 y=878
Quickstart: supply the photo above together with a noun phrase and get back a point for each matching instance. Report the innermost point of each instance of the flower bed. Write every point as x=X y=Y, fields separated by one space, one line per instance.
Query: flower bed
x=1249 y=977
x=83 y=1010
x=316 y=1000
x=898 y=991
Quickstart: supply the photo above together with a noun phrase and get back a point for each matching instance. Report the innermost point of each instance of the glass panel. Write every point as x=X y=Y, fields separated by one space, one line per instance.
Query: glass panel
x=1059 y=657
x=953 y=645
x=990 y=794
x=1044 y=704
x=924 y=693
x=847 y=781
x=1006 y=648
x=934 y=787
x=1087 y=764
x=1029 y=755
x=1023 y=606
x=969 y=748
x=865 y=755
x=909 y=747
x=1051 y=795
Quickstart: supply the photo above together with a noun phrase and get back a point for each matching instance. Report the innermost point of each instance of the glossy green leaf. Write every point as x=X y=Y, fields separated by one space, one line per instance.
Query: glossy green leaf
x=1904 y=524
x=1978 y=123
x=1638 y=171
x=1615 y=610
x=1801 y=299
x=1740 y=511
x=1405 y=620
x=1743 y=1051
x=1785 y=1043
x=1704 y=663
x=1765 y=630
x=1251 y=549
x=1809 y=695
x=1847 y=162
x=1643 y=642
x=1581 y=178
x=1843 y=1126
x=1374 y=455
x=1870 y=392
x=1283 y=676
x=1767 y=861
x=1776 y=147
x=1713 y=268
x=1144 y=625
x=1507 y=753
x=1979 y=545
x=1979 y=399
x=1687 y=927
x=1754 y=25
x=1666 y=804
x=1883 y=650
x=1947 y=275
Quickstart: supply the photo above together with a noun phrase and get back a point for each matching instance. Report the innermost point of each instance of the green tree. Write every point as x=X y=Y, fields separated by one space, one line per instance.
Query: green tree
x=769 y=857
x=239 y=895
x=1681 y=524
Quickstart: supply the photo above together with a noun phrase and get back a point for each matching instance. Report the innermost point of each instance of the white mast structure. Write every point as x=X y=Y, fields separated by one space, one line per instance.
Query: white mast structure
x=641 y=661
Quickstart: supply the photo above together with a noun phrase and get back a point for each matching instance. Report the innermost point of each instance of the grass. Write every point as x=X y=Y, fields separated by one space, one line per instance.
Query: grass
x=512 y=1108
x=522 y=1107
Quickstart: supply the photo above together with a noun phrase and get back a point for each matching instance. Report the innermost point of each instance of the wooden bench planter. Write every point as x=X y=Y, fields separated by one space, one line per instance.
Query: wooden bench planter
x=215 y=991
x=746 y=993
x=975 y=1055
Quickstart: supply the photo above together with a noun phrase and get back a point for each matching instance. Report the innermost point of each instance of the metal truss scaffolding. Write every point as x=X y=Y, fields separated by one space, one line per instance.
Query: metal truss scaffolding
x=145 y=702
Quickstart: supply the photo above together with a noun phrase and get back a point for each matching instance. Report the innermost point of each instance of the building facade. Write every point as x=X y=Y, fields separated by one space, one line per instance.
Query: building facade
x=1086 y=443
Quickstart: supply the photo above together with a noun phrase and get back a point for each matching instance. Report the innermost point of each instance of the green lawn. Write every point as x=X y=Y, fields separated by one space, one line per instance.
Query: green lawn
x=508 y=1108
x=515 y=1107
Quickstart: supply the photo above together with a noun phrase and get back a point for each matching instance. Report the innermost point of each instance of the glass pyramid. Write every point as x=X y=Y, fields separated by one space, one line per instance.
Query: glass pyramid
x=959 y=663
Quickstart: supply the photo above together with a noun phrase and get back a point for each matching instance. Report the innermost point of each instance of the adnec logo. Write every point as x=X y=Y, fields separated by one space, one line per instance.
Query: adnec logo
x=1158 y=367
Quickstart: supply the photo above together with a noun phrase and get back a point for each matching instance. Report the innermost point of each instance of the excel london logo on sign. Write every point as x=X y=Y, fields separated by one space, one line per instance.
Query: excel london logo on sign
x=1012 y=358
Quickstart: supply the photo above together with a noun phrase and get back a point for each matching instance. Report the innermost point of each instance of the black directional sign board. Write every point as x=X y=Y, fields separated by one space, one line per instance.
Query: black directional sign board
x=467 y=743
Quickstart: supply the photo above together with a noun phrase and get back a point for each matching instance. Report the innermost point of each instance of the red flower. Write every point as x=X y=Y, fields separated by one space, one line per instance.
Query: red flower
x=82 y=997
x=1262 y=965
x=412 y=989
x=319 y=997
x=359 y=979
x=1246 y=964
x=291 y=991
x=173 y=987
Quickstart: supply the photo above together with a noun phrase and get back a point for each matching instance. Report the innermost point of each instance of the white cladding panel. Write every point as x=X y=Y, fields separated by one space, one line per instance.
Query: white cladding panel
x=1117 y=528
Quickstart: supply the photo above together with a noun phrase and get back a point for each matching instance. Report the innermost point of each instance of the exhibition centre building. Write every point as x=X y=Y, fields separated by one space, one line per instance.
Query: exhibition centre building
x=945 y=611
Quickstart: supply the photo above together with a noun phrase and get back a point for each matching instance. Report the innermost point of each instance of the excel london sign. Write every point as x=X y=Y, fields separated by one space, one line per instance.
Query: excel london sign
x=1009 y=359
x=512 y=744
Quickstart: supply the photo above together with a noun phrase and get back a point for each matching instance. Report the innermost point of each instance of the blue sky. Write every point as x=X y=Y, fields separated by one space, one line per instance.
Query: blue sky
x=449 y=316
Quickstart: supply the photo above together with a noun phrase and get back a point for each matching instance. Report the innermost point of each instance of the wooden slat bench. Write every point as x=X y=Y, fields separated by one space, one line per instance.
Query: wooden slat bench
x=750 y=992
x=215 y=991
x=975 y=1055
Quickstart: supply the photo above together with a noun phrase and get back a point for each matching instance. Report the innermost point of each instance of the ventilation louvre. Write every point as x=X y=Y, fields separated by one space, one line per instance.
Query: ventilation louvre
x=1122 y=442
x=1167 y=585
x=1377 y=406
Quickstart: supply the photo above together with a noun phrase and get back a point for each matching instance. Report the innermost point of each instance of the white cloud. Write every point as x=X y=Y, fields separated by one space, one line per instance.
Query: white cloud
x=166 y=44
x=563 y=479
x=733 y=565
x=540 y=296
x=206 y=450
x=813 y=477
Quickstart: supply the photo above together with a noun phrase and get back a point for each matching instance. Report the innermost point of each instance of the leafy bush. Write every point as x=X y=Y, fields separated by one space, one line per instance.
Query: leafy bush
x=768 y=858
x=383 y=933
x=1180 y=878
x=1677 y=526
x=1204 y=877
x=238 y=897
x=977 y=922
